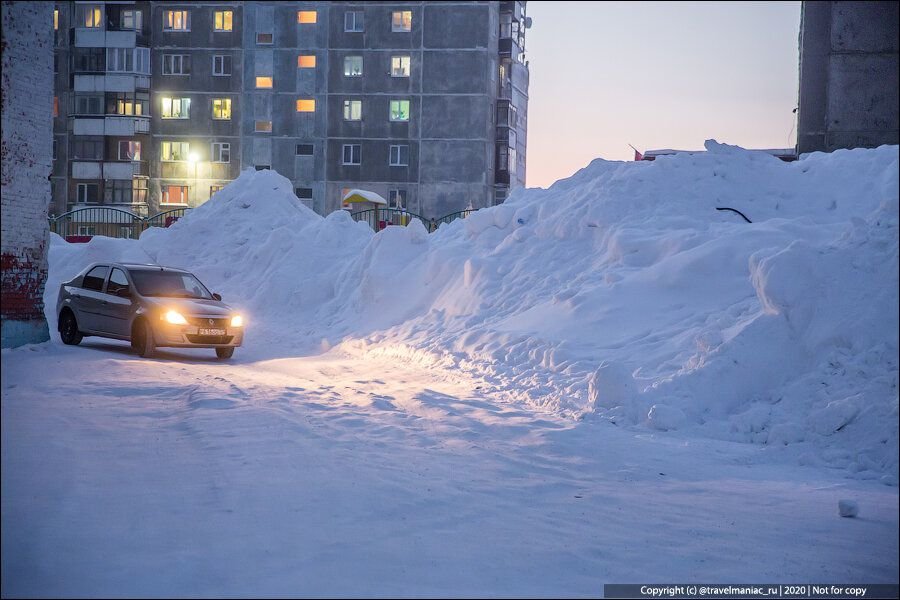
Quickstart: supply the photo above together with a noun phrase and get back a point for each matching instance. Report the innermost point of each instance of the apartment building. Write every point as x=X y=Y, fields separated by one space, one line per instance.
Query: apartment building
x=160 y=104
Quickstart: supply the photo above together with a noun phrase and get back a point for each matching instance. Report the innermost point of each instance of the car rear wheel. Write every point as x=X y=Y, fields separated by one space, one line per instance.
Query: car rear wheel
x=142 y=339
x=225 y=352
x=68 y=329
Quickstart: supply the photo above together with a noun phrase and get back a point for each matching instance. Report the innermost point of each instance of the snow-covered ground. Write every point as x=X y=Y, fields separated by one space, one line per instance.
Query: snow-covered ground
x=605 y=381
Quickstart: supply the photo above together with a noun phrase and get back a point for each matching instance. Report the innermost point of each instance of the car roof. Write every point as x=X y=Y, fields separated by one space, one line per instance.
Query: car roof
x=140 y=267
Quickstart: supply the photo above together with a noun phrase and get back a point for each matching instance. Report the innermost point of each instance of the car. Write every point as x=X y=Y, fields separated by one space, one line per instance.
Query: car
x=149 y=305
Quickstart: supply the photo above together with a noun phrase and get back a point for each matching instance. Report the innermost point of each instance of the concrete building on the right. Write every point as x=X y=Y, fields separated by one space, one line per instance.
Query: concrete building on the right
x=848 y=94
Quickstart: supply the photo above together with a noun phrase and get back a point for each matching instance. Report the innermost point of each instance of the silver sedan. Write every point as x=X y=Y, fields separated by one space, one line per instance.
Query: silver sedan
x=149 y=305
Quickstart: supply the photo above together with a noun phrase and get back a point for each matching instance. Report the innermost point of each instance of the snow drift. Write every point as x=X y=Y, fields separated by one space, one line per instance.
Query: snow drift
x=618 y=294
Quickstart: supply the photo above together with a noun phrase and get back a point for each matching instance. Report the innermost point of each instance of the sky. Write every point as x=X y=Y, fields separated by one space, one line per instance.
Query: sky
x=656 y=75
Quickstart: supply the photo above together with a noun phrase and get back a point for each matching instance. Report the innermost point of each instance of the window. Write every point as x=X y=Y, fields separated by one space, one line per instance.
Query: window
x=352 y=154
x=222 y=65
x=176 y=64
x=399 y=110
x=176 y=108
x=263 y=127
x=263 y=83
x=303 y=193
x=88 y=15
x=86 y=230
x=399 y=156
x=174 y=194
x=215 y=188
x=174 y=151
x=94 y=278
x=87 y=149
x=401 y=20
x=397 y=199
x=352 y=110
x=304 y=149
x=176 y=20
x=88 y=105
x=89 y=60
x=140 y=188
x=128 y=60
x=127 y=103
x=306 y=61
x=399 y=66
x=353 y=66
x=353 y=20
x=264 y=38
x=129 y=150
x=131 y=19
x=221 y=152
x=55 y=144
x=306 y=105
x=221 y=109
x=222 y=20
x=117 y=281
x=56 y=63
x=55 y=19
x=88 y=193
x=306 y=17
x=55 y=106
x=118 y=191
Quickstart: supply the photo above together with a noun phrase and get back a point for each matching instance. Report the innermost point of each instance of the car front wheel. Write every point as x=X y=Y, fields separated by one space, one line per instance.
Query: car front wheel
x=142 y=340
x=225 y=352
x=68 y=329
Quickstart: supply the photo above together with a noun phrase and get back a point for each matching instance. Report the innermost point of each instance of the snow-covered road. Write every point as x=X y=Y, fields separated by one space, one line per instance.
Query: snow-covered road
x=332 y=475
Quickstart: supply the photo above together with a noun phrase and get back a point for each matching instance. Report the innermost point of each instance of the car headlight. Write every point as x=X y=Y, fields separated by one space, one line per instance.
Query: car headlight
x=174 y=317
x=237 y=321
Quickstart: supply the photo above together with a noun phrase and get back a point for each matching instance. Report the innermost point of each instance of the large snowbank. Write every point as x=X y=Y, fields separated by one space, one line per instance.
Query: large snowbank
x=620 y=293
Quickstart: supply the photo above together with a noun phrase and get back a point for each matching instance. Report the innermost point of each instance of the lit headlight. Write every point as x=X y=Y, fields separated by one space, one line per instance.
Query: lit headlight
x=237 y=321
x=175 y=318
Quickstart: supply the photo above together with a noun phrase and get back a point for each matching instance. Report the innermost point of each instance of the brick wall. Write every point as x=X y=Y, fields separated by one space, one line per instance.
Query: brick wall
x=27 y=108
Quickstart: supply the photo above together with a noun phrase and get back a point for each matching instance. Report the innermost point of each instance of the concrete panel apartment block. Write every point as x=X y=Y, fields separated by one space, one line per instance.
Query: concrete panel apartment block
x=27 y=109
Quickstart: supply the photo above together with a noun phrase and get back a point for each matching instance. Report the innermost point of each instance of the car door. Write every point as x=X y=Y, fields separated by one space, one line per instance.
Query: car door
x=86 y=300
x=115 y=310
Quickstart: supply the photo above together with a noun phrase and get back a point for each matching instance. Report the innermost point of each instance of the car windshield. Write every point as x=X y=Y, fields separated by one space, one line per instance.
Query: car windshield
x=169 y=284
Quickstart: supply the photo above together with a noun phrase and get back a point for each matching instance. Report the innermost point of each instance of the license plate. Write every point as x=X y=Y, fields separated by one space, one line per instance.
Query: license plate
x=212 y=332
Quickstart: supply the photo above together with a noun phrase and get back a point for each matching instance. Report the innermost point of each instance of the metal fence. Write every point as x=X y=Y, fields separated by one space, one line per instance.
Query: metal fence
x=379 y=218
x=81 y=224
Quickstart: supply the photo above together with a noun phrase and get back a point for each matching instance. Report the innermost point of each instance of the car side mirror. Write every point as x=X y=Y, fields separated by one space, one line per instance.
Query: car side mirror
x=123 y=293
x=217 y=297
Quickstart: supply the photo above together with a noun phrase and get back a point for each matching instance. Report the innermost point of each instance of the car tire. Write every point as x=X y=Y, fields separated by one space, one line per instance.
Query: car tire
x=225 y=352
x=142 y=341
x=68 y=329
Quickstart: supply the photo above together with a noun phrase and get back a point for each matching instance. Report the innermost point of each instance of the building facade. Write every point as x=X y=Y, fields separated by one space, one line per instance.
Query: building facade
x=848 y=75
x=160 y=104
x=27 y=103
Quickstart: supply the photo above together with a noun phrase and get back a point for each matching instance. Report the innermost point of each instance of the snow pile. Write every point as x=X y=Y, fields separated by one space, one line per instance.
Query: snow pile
x=620 y=293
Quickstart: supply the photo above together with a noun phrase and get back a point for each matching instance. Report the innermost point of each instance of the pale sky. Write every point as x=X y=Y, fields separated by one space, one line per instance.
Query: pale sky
x=656 y=75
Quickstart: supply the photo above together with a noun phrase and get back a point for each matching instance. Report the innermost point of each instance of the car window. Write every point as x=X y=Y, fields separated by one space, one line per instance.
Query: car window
x=95 y=278
x=169 y=283
x=117 y=281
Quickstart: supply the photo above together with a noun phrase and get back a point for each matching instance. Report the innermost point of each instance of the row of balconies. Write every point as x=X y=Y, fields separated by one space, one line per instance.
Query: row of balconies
x=119 y=82
x=102 y=38
x=109 y=170
x=110 y=125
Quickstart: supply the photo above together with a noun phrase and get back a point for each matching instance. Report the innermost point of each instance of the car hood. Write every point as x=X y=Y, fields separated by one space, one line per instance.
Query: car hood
x=192 y=306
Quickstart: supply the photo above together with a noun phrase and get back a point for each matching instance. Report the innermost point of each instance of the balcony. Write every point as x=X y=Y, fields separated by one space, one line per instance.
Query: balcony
x=121 y=39
x=512 y=7
x=125 y=169
x=86 y=170
x=90 y=37
x=110 y=125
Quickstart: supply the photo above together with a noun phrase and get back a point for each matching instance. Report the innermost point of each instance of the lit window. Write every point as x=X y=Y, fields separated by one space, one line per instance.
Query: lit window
x=176 y=108
x=221 y=109
x=129 y=150
x=174 y=194
x=89 y=15
x=352 y=110
x=222 y=20
x=401 y=20
x=263 y=127
x=306 y=17
x=353 y=20
x=176 y=64
x=263 y=82
x=306 y=105
x=221 y=65
x=399 y=66
x=55 y=19
x=306 y=61
x=399 y=156
x=176 y=20
x=174 y=151
x=353 y=66
x=399 y=110
x=220 y=152
x=264 y=38
x=215 y=188
x=351 y=154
